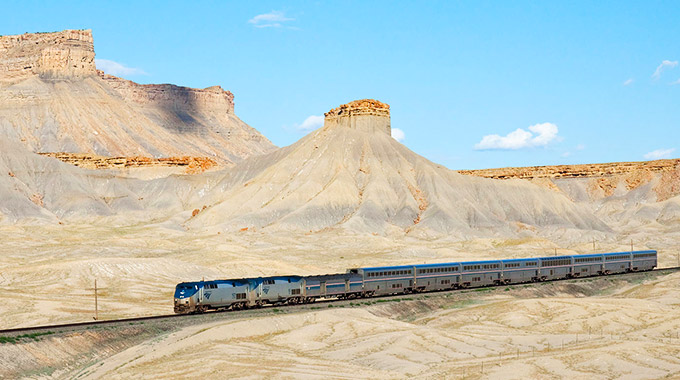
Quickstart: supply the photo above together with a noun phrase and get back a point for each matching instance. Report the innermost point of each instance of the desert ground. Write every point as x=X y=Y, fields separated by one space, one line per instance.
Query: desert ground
x=604 y=328
x=98 y=203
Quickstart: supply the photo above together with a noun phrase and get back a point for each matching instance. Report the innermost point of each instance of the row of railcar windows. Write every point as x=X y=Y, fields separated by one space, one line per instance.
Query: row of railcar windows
x=388 y=273
x=640 y=255
x=555 y=262
x=579 y=260
x=485 y=266
x=437 y=270
x=618 y=257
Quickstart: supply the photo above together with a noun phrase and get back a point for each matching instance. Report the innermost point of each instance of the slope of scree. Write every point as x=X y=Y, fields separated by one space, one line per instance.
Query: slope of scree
x=43 y=189
x=352 y=174
x=53 y=99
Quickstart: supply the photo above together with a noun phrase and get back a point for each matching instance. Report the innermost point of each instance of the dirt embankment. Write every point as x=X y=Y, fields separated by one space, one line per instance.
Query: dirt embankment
x=192 y=165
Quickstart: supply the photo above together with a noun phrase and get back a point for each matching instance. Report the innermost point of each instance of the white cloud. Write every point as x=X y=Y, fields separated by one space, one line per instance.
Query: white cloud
x=273 y=19
x=398 y=134
x=659 y=154
x=537 y=135
x=117 y=69
x=566 y=154
x=664 y=64
x=676 y=82
x=311 y=123
x=580 y=147
x=628 y=82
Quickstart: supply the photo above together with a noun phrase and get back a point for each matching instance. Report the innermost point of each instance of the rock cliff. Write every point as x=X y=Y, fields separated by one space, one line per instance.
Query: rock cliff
x=53 y=99
x=170 y=96
x=60 y=55
x=366 y=115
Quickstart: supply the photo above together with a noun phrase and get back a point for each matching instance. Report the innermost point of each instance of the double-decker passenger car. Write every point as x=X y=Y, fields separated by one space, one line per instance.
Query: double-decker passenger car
x=375 y=281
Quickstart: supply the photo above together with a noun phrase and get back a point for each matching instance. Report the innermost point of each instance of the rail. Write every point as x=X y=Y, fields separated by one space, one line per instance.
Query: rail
x=16 y=330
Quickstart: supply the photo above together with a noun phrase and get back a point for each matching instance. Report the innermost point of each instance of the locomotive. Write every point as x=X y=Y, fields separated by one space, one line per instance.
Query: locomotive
x=235 y=294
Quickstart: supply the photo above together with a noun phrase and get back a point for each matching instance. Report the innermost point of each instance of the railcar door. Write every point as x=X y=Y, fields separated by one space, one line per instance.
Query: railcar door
x=322 y=289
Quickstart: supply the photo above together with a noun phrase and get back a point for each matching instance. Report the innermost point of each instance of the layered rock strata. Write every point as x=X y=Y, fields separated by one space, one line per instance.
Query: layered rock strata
x=59 y=55
x=601 y=180
x=192 y=165
x=366 y=115
x=574 y=171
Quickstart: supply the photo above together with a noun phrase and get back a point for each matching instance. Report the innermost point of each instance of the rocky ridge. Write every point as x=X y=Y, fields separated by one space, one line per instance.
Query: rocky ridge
x=53 y=99
x=172 y=96
x=603 y=180
x=574 y=171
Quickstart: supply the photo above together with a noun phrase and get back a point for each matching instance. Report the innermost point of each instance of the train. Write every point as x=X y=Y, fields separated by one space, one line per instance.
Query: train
x=235 y=294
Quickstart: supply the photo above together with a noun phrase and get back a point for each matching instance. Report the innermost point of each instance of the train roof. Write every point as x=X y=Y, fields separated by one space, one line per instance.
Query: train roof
x=481 y=262
x=530 y=259
x=389 y=268
x=435 y=265
x=558 y=257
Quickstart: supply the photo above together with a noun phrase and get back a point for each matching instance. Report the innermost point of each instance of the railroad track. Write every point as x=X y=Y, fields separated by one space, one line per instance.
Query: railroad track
x=102 y=323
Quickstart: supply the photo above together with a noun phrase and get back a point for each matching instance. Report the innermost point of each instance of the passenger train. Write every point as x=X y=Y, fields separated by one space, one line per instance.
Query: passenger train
x=198 y=297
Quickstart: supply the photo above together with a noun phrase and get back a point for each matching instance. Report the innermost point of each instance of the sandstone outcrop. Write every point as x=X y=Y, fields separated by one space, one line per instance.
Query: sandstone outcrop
x=60 y=55
x=366 y=115
x=53 y=99
x=603 y=179
x=574 y=171
x=192 y=165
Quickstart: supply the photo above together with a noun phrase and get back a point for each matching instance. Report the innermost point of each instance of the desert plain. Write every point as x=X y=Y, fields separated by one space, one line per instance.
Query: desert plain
x=98 y=203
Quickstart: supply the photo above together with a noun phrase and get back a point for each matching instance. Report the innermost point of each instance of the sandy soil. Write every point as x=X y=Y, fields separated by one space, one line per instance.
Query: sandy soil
x=47 y=273
x=628 y=332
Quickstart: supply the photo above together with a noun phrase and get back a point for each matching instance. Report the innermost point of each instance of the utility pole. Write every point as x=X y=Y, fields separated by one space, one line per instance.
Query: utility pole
x=593 y=244
x=96 y=306
x=96 y=299
x=555 y=251
x=631 y=245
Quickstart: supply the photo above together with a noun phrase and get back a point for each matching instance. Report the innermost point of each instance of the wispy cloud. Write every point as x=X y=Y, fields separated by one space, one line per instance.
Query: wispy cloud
x=676 y=82
x=628 y=82
x=311 y=123
x=659 y=154
x=537 y=135
x=665 y=64
x=273 y=19
x=398 y=134
x=115 y=68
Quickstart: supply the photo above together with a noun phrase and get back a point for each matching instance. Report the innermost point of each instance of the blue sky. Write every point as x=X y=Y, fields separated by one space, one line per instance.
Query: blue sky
x=471 y=84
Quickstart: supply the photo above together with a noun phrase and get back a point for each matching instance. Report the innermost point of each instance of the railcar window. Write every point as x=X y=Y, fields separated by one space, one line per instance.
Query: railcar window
x=240 y=296
x=295 y=291
x=476 y=279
